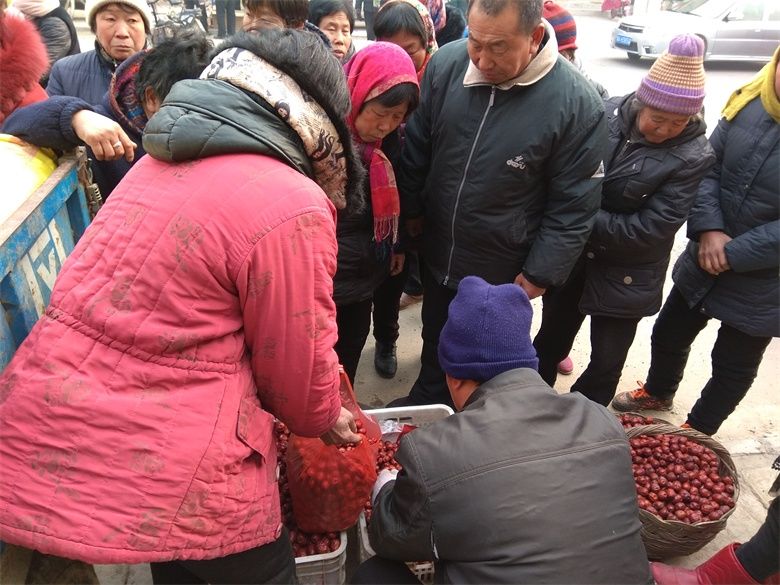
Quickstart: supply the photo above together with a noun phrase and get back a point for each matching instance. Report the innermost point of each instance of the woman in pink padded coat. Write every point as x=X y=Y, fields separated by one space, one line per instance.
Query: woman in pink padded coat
x=136 y=421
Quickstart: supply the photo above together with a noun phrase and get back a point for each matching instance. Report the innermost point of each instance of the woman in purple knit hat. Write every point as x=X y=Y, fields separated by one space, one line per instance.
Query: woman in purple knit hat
x=657 y=156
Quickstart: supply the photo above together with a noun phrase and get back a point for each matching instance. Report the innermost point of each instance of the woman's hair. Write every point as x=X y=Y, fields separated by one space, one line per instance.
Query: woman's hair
x=308 y=61
x=172 y=61
x=293 y=12
x=397 y=17
x=403 y=93
x=319 y=9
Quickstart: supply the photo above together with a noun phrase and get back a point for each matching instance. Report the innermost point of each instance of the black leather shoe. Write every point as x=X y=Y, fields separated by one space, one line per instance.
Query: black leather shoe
x=385 y=361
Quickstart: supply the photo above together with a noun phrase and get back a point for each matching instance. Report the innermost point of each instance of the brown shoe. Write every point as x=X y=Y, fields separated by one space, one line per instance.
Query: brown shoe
x=638 y=400
x=408 y=300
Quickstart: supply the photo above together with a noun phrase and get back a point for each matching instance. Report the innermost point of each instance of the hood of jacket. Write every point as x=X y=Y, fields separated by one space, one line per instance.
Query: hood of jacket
x=209 y=117
x=250 y=106
x=22 y=62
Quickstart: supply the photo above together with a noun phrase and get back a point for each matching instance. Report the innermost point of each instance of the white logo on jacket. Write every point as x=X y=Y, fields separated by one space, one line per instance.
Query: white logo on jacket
x=517 y=163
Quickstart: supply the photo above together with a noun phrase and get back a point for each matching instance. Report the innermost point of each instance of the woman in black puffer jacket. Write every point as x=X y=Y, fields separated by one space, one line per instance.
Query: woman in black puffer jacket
x=657 y=156
x=729 y=271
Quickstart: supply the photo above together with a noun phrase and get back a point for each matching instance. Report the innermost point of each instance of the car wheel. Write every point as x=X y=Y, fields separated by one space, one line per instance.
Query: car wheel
x=634 y=58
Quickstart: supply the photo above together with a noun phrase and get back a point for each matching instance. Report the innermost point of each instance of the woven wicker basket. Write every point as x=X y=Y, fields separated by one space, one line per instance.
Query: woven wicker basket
x=671 y=538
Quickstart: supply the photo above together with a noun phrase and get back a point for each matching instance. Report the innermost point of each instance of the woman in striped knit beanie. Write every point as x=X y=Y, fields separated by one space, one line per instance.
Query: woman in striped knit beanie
x=656 y=157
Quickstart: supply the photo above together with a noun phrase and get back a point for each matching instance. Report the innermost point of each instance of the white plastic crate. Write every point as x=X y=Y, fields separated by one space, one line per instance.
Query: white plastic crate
x=418 y=416
x=325 y=569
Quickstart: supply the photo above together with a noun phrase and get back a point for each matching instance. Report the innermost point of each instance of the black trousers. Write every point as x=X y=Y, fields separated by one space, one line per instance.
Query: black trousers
x=379 y=571
x=386 y=301
x=226 y=17
x=270 y=563
x=736 y=357
x=431 y=386
x=413 y=284
x=354 y=322
x=610 y=340
x=759 y=555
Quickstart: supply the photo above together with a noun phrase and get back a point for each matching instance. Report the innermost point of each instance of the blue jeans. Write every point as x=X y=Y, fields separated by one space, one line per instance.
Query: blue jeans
x=735 y=360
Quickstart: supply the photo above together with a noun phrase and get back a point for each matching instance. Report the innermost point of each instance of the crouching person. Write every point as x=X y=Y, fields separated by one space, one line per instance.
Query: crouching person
x=521 y=485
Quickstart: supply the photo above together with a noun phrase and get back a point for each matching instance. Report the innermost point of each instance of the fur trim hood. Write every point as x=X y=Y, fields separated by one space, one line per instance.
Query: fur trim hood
x=23 y=61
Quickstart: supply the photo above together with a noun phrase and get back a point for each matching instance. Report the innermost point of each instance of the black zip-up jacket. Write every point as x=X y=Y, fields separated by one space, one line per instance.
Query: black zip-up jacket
x=507 y=177
x=739 y=196
x=648 y=191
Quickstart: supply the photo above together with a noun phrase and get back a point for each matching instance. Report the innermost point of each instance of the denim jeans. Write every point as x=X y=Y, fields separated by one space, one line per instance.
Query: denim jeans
x=736 y=357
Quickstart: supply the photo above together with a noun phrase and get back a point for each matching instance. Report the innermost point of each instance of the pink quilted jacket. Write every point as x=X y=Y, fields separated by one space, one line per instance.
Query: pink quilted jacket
x=136 y=421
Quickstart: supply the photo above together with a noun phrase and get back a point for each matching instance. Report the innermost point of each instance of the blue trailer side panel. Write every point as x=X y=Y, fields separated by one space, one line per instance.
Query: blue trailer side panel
x=34 y=243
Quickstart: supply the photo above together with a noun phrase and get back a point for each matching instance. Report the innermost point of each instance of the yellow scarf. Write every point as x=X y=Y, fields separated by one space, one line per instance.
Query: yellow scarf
x=762 y=84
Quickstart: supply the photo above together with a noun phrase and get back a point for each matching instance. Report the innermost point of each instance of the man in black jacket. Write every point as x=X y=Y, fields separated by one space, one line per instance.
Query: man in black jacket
x=502 y=164
x=511 y=489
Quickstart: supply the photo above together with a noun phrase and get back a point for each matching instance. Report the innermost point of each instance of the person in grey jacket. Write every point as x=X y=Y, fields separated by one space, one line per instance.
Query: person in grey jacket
x=55 y=26
x=121 y=29
x=729 y=270
x=510 y=488
x=657 y=157
x=501 y=170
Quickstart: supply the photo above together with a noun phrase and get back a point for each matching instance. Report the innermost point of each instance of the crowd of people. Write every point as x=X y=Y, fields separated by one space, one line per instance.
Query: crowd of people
x=270 y=198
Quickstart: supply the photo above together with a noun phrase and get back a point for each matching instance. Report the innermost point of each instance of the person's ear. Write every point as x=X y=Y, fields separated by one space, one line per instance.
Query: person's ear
x=152 y=102
x=537 y=36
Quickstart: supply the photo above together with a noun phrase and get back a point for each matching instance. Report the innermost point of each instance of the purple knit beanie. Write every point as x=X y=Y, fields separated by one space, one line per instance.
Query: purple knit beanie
x=488 y=331
x=675 y=82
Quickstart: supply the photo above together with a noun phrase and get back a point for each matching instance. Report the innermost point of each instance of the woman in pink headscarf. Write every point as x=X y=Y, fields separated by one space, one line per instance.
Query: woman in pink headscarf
x=382 y=82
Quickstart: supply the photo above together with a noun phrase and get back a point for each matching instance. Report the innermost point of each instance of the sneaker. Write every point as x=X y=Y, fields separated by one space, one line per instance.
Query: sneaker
x=638 y=400
x=408 y=300
x=566 y=366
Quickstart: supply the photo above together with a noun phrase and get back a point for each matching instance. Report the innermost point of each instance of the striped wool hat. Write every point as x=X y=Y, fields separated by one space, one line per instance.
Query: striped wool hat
x=675 y=82
x=563 y=23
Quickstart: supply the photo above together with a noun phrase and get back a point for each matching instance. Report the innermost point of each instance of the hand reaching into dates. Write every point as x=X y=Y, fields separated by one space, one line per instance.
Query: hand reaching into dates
x=344 y=431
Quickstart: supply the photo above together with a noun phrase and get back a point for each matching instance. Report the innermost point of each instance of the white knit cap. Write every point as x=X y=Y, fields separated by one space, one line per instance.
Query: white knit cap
x=92 y=7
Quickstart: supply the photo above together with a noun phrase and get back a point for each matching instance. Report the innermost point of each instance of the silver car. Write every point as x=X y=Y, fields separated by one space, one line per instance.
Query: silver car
x=732 y=30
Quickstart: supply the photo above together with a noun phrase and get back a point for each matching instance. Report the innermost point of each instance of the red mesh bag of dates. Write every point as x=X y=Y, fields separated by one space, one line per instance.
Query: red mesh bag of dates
x=329 y=484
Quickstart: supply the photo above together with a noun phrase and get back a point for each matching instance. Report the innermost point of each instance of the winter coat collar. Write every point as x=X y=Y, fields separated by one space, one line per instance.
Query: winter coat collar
x=510 y=380
x=538 y=67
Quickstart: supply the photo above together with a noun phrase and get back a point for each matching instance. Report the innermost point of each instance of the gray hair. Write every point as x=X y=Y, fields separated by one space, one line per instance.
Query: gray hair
x=529 y=11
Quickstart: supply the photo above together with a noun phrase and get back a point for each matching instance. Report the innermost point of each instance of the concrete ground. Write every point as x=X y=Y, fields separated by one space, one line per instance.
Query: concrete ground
x=751 y=434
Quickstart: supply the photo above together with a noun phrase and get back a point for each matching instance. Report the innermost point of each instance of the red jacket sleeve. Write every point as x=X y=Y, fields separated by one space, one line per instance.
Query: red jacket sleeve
x=285 y=287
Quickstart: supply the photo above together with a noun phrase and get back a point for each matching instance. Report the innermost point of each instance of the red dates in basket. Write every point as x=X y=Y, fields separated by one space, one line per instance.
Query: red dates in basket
x=677 y=479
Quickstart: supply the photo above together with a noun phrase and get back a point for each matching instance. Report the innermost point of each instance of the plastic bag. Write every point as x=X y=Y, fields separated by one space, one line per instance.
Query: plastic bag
x=328 y=484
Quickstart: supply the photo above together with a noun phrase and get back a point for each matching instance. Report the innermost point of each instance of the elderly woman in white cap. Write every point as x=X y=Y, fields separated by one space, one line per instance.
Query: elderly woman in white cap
x=121 y=28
